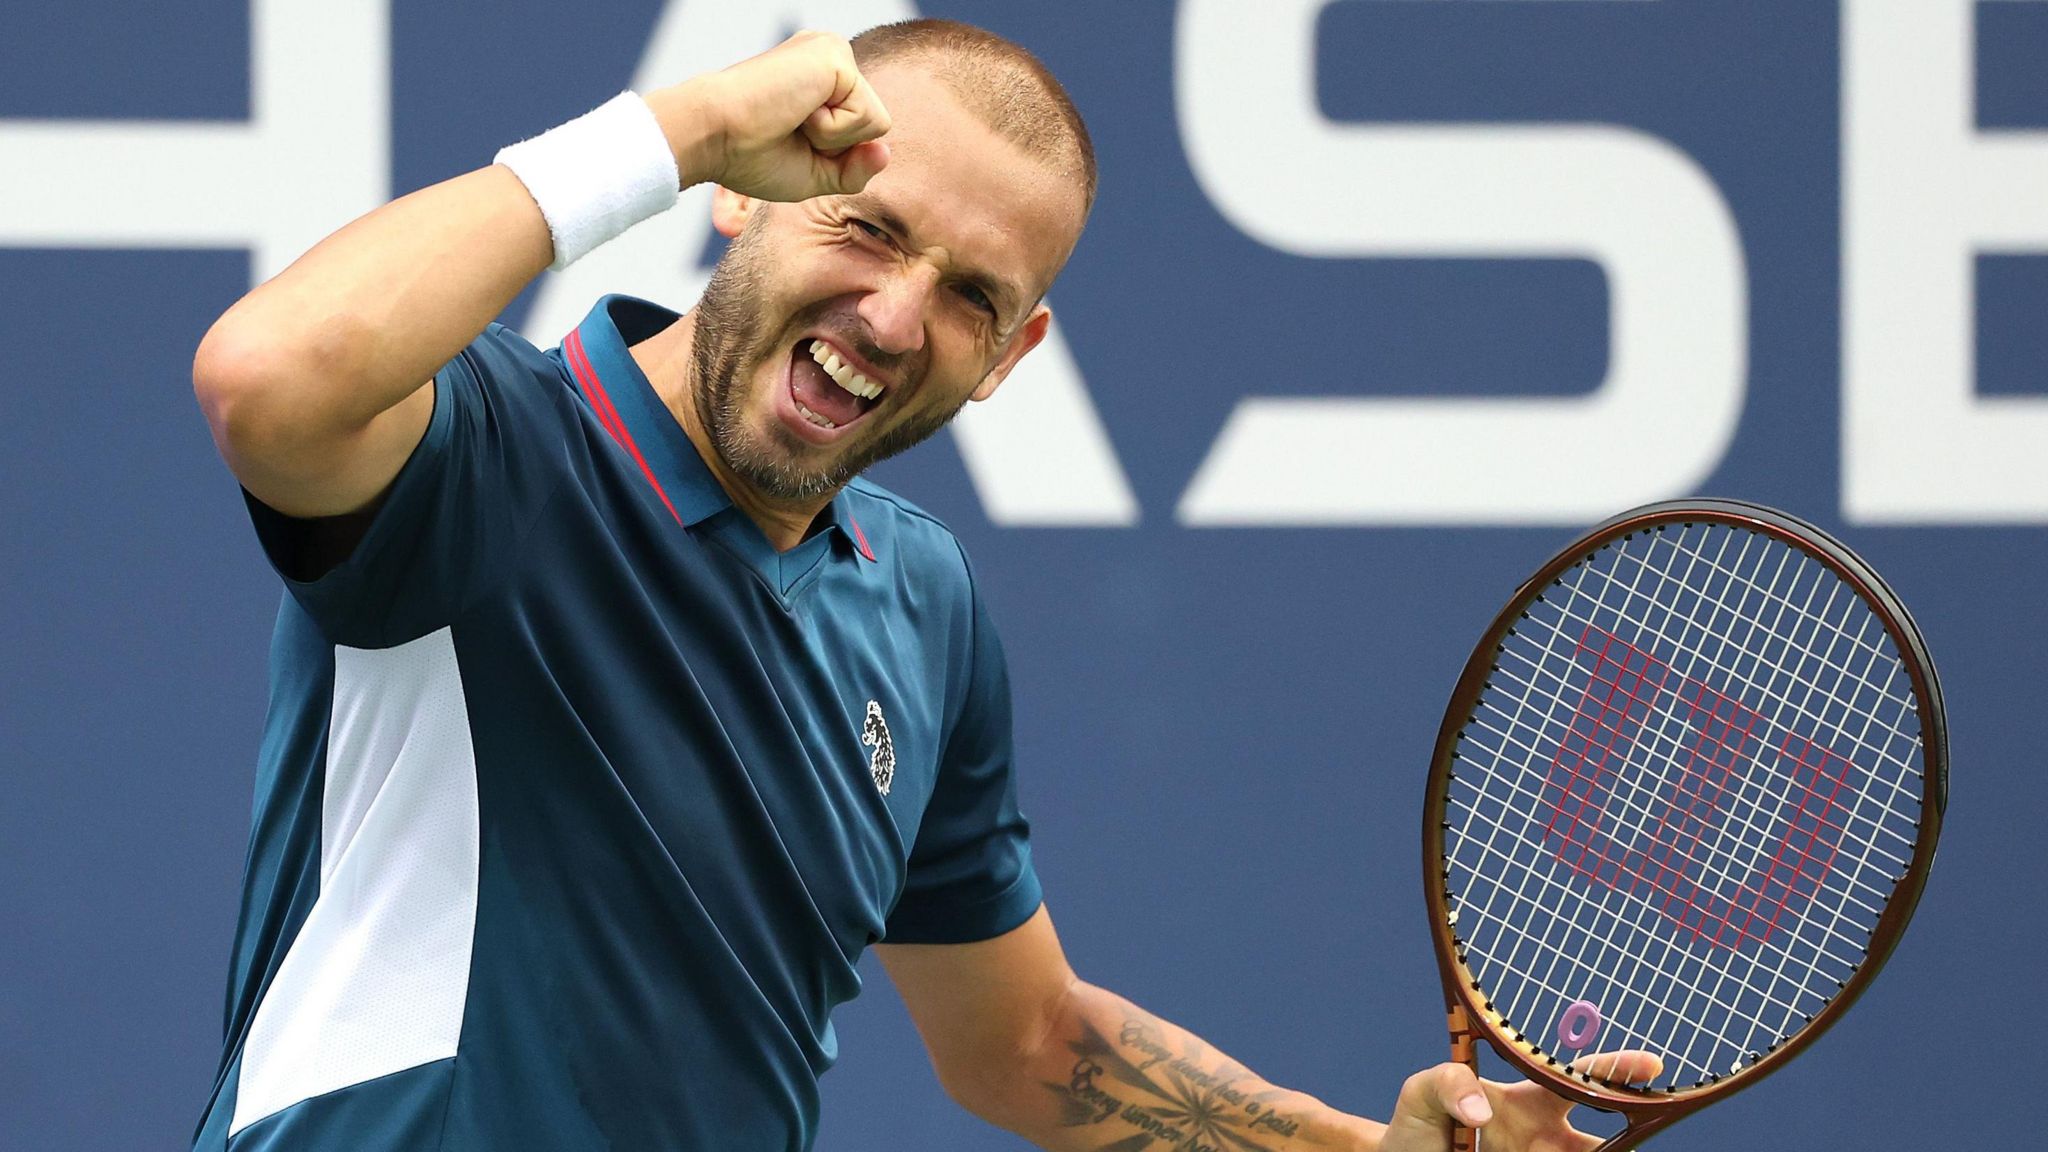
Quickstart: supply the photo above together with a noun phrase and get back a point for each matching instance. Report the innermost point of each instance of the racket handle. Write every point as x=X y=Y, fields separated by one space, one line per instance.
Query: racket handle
x=1464 y=1050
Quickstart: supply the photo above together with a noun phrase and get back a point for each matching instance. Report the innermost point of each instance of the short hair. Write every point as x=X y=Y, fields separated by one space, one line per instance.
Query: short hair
x=1000 y=82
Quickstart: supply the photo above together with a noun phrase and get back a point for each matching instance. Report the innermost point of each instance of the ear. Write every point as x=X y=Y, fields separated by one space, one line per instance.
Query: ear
x=1026 y=338
x=731 y=210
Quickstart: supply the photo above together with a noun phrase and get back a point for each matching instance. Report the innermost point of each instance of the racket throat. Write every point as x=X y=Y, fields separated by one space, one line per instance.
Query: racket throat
x=1464 y=1038
x=1464 y=1050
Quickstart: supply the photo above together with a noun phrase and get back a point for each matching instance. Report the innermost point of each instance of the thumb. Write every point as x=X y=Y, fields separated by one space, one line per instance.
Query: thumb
x=850 y=171
x=1447 y=1092
x=1462 y=1096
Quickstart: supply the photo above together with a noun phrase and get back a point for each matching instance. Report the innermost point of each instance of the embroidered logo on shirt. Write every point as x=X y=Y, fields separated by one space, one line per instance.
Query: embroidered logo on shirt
x=874 y=733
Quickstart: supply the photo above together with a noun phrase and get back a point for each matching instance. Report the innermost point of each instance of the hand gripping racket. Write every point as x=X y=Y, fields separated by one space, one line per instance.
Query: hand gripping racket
x=1684 y=799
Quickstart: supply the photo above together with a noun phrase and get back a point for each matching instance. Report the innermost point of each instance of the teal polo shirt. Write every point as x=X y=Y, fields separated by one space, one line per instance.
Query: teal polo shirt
x=577 y=802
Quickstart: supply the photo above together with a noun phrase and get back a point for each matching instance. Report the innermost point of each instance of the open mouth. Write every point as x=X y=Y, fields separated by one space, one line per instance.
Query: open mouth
x=828 y=394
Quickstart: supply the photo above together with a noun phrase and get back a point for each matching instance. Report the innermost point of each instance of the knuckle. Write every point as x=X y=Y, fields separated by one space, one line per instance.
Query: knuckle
x=829 y=42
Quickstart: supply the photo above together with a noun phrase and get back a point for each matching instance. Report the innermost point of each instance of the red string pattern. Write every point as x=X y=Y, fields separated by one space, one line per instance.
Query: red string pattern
x=1686 y=838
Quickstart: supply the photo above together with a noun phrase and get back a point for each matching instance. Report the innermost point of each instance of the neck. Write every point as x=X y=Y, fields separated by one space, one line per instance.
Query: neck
x=666 y=359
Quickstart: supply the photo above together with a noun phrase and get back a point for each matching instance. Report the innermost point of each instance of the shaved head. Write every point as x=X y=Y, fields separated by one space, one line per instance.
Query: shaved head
x=1002 y=84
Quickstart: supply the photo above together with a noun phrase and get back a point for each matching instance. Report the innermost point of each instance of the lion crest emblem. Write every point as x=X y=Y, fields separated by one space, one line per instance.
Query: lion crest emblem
x=874 y=733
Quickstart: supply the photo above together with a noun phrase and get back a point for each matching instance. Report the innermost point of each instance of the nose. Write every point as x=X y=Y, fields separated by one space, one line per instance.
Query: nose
x=894 y=310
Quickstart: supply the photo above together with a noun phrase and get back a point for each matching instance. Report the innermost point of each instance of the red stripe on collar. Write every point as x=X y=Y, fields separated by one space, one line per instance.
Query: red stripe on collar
x=601 y=403
x=860 y=537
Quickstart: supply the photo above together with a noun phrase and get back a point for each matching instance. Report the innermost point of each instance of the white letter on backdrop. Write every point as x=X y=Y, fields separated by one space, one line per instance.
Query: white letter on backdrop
x=1652 y=219
x=1923 y=192
x=314 y=154
x=1037 y=453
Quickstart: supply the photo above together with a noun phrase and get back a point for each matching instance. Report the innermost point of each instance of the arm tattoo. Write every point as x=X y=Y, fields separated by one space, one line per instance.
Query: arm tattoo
x=1144 y=1094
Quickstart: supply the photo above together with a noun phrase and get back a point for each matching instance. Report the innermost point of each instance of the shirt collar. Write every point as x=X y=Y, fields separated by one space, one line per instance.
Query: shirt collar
x=624 y=400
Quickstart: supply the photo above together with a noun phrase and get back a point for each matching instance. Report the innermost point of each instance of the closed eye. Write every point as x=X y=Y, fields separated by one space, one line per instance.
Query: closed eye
x=978 y=298
x=870 y=230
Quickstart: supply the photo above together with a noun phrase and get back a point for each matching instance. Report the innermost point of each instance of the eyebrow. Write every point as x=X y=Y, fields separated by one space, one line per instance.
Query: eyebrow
x=1001 y=293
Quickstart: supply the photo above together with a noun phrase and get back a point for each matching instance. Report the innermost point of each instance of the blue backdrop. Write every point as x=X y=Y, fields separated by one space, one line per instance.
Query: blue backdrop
x=1223 y=727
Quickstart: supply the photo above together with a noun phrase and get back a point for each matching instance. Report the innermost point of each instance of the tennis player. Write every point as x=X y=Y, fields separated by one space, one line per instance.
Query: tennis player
x=612 y=715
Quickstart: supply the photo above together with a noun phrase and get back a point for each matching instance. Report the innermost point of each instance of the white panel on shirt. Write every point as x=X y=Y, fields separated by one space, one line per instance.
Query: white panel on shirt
x=376 y=979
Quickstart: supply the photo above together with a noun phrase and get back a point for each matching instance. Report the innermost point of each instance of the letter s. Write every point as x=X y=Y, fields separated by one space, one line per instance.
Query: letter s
x=1644 y=211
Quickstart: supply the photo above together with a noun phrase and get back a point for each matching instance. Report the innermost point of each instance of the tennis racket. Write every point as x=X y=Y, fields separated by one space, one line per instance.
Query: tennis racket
x=1684 y=800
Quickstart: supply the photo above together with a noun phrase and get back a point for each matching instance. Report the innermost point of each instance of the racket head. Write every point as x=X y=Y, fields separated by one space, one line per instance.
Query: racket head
x=1666 y=688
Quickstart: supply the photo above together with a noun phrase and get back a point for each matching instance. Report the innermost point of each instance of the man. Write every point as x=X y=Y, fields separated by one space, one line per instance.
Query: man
x=612 y=717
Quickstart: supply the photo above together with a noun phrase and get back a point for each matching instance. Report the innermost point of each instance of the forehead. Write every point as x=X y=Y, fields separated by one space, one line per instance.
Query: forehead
x=961 y=187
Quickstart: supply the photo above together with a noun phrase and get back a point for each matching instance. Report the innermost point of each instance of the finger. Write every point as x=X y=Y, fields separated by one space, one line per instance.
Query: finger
x=851 y=170
x=1623 y=1067
x=854 y=115
x=1628 y=1066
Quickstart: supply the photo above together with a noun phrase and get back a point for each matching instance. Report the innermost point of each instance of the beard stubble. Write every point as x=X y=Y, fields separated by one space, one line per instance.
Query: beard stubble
x=730 y=332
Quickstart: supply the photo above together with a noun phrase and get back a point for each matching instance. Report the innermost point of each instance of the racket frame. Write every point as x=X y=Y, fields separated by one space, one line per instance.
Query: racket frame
x=1467 y=1008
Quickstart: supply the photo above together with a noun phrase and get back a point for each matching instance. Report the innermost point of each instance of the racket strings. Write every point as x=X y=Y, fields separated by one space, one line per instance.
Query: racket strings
x=1875 y=654
x=1540 y=679
x=1688 y=902
x=1816 y=748
x=1865 y=824
x=1668 y=891
x=1610 y=940
x=1557 y=954
x=1606 y=938
x=1674 y=745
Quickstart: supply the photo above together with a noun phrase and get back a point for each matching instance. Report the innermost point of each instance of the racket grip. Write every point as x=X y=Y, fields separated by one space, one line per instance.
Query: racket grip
x=1464 y=1050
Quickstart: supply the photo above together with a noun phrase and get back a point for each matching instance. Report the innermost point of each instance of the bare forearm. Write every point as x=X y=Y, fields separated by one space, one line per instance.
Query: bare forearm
x=361 y=321
x=370 y=313
x=313 y=382
x=1111 y=1076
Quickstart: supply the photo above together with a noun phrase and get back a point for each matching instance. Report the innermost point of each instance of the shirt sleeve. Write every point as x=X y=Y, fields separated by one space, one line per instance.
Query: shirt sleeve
x=453 y=518
x=970 y=875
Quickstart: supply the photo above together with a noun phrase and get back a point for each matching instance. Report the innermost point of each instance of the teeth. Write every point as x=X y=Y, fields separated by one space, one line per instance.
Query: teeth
x=842 y=373
x=813 y=417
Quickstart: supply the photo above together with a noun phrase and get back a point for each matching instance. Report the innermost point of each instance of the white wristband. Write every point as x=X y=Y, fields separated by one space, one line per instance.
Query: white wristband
x=597 y=175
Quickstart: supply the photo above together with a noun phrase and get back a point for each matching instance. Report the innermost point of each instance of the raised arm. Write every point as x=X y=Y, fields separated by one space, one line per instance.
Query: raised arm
x=1020 y=1041
x=314 y=383
x=317 y=383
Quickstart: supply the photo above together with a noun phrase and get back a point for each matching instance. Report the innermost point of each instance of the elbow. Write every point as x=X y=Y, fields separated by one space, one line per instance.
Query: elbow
x=1005 y=1087
x=984 y=1086
x=980 y=1099
x=227 y=376
x=260 y=395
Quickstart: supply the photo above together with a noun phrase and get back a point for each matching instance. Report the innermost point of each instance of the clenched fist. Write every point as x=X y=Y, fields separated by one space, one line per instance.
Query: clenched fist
x=794 y=122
